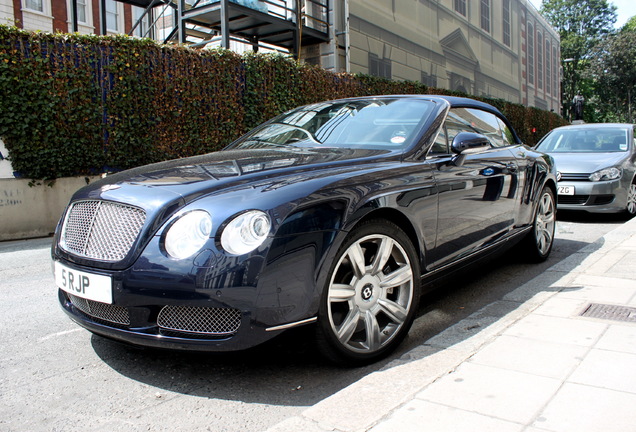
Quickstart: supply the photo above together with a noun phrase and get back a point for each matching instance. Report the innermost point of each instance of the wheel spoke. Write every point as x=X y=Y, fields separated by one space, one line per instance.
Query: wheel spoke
x=372 y=330
x=544 y=225
x=382 y=256
x=394 y=311
x=349 y=325
x=543 y=241
x=356 y=257
x=631 y=199
x=341 y=292
x=397 y=277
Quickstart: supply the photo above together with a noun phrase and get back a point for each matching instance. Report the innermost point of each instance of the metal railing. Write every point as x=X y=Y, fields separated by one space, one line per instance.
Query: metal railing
x=159 y=20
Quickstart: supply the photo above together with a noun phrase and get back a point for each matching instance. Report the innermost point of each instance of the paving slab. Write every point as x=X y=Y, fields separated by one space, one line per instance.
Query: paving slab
x=583 y=408
x=419 y=415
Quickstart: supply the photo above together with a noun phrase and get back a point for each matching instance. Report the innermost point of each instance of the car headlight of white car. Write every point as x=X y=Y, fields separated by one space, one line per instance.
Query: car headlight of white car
x=606 y=174
x=245 y=232
x=188 y=234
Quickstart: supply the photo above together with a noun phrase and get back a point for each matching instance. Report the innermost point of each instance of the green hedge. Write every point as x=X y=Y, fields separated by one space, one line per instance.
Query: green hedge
x=80 y=105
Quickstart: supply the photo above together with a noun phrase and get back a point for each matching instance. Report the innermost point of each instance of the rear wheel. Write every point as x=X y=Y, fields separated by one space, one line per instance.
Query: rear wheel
x=539 y=242
x=371 y=296
x=631 y=200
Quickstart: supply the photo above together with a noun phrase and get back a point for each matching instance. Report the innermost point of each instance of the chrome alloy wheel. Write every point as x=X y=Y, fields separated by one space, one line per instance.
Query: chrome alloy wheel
x=544 y=223
x=370 y=293
x=631 y=199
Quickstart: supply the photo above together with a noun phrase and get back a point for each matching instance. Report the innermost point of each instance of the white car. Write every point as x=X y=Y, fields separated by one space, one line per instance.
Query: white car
x=596 y=165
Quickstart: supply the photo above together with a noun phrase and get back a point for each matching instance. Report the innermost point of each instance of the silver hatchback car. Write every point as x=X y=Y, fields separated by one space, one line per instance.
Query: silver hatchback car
x=596 y=165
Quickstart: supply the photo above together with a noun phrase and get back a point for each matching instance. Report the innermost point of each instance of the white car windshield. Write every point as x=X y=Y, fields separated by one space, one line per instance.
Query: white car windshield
x=589 y=140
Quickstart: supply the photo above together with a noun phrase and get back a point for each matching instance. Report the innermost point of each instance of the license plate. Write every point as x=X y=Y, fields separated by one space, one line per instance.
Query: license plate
x=566 y=190
x=83 y=284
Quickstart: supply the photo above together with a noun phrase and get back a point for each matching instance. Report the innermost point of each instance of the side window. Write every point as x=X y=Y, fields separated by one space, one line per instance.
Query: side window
x=481 y=122
x=440 y=146
x=473 y=120
x=455 y=124
x=486 y=124
x=508 y=136
x=476 y=121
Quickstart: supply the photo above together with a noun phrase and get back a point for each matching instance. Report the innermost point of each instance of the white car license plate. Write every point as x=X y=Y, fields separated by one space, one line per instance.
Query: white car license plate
x=566 y=190
x=82 y=284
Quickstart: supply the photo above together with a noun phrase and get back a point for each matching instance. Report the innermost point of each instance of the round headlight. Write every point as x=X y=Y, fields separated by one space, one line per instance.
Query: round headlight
x=605 y=174
x=188 y=234
x=245 y=232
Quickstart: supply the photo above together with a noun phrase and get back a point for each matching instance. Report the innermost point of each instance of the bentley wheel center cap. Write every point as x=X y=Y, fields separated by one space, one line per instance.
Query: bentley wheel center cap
x=367 y=292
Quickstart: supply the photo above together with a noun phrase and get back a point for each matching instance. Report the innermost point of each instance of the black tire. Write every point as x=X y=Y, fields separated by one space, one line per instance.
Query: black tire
x=538 y=243
x=371 y=295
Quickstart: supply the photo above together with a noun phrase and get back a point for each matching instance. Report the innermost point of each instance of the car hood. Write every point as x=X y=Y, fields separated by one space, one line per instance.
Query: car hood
x=586 y=163
x=238 y=179
x=184 y=180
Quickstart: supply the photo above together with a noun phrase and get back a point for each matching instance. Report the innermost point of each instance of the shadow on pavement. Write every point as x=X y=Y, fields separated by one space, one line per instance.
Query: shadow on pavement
x=288 y=371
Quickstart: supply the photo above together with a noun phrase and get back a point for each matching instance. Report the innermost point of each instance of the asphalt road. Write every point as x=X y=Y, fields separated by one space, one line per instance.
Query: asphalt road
x=55 y=376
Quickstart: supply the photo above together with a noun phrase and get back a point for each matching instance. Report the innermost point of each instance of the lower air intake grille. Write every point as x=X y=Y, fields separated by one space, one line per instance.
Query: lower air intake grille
x=200 y=320
x=573 y=199
x=101 y=311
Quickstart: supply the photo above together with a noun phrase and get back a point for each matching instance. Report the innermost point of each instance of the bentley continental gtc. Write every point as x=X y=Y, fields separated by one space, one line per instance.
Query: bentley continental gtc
x=337 y=215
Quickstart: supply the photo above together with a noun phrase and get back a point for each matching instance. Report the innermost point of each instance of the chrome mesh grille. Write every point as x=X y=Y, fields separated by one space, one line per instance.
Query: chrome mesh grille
x=102 y=311
x=101 y=230
x=201 y=320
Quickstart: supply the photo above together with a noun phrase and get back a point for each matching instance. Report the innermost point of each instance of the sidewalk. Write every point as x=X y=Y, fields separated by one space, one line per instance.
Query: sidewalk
x=530 y=362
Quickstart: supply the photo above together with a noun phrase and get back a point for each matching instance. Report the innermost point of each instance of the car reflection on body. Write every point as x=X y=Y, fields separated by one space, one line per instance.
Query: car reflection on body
x=337 y=214
x=596 y=165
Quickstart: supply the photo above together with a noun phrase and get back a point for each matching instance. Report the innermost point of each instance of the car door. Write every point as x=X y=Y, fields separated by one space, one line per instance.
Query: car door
x=477 y=198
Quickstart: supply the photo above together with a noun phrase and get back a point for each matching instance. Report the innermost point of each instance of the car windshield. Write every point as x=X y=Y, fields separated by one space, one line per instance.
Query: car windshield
x=599 y=140
x=390 y=124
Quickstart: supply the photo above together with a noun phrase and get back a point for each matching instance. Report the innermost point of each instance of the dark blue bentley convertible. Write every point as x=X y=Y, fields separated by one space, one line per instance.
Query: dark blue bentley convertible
x=337 y=214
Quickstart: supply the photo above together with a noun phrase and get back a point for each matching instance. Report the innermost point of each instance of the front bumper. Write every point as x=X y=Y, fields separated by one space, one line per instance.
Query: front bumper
x=209 y=308
x=593 y=197
x=150 y=334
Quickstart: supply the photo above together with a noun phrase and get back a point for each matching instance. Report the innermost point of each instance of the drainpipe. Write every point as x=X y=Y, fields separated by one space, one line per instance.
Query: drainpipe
x=347 y=38
x=335 y=21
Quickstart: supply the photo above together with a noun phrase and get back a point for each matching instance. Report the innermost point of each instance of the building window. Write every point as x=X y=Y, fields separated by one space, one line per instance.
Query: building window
x=82 y=11
x=530 y=54
x=539 y=60
x=548 y=68
x=142 y=27
x=429 y=80
x=112 y=16
x=34 y=5
x=506 y=22
x=485 y=15
x=555 y=77
x=379 y=67
x=460 y=6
